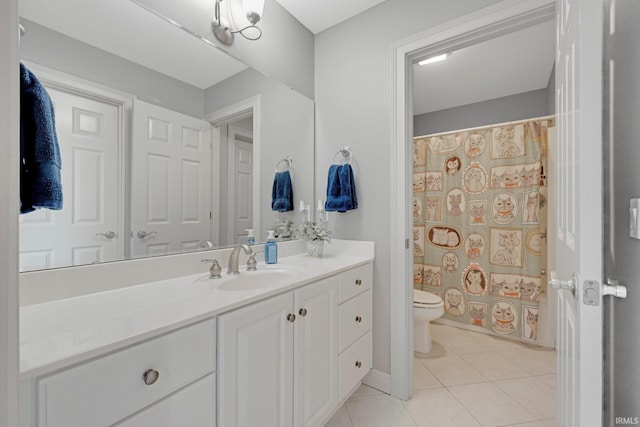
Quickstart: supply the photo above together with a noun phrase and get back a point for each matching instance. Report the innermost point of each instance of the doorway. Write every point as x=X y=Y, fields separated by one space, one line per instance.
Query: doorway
x=481 y=25
x=237 y=140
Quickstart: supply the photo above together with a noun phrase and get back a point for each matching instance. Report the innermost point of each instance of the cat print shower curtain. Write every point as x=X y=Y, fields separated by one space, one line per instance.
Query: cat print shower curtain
x=480 y=223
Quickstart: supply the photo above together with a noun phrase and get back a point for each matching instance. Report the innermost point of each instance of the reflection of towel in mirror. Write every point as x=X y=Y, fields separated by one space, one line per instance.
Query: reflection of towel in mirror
x=282 y=192
x=40 y=182
x=341 y=189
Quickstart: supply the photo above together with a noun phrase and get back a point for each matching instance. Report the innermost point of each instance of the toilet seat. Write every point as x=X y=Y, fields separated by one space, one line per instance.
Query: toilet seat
x=426 y=299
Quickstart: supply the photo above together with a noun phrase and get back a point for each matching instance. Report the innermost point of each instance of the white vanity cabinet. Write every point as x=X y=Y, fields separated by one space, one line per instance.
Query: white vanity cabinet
x=355 y=315
x=277 y=359
x=279 y=356
x=292 y=359
x=155 y=377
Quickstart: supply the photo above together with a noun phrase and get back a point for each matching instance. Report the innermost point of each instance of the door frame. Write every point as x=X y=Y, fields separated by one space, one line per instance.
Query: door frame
x=123 y=102
x=500 y=18
x=240 y=110
x=9 y=208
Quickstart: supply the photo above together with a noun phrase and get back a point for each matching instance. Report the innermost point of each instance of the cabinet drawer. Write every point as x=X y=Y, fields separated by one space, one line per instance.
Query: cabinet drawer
x=354 y=319
x=193 y=406
x=354 y=363
x=108 y=389
x=354 y=282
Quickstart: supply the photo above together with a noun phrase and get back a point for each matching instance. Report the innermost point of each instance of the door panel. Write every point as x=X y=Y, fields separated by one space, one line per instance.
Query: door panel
x=240 y=184
x=88 y=137
x=171 y=181
x=579 y=209
x=316 y=352
x=255 y=362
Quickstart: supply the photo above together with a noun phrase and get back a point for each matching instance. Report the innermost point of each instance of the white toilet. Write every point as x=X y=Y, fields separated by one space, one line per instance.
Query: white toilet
x=426 y=307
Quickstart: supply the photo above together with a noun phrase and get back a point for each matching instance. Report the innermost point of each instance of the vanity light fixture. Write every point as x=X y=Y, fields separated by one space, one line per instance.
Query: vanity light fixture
x=433 y=59
x=223 y=30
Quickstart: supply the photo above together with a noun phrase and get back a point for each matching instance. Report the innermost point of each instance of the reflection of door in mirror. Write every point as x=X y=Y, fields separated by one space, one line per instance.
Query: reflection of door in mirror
x=240 y=192
x=87 y=229
x=171 y=181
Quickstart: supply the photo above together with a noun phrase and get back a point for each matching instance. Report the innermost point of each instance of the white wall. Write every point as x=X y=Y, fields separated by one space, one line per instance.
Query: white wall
x=44 y=46
x=286 y=129
x=621 y=252
x=522 y=106
x=352 y=92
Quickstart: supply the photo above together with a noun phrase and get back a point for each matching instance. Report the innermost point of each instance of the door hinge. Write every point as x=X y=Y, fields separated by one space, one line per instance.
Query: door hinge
x=210 y=215
x=406 y=243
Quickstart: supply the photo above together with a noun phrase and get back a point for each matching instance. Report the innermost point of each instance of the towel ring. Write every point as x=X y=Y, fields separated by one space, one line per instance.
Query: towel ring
x=346 y=153
x=288 y=160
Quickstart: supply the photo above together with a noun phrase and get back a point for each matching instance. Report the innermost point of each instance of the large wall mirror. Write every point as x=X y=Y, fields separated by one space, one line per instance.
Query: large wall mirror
x=168 y=144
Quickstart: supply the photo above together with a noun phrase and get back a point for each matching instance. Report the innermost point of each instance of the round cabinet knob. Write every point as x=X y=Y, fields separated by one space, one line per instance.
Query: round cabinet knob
x=291 y=317
x=358 y=364
x=150 y=376
x=358 y=319
x=302 y=312
x=358 y=282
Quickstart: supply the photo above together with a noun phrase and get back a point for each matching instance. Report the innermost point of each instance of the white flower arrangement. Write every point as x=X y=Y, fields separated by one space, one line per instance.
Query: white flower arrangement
x=313 y=231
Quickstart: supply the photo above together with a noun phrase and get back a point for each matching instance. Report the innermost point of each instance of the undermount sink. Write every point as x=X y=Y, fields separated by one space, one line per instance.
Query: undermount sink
x=252 y=280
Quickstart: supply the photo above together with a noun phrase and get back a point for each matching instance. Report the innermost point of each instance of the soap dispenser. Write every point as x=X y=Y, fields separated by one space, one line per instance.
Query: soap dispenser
x=251 y=240
x=270 y=249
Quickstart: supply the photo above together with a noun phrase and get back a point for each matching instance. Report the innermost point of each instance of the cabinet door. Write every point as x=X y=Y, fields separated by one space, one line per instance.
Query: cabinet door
x=316 y=352
x=193 y=406
x=255 y=365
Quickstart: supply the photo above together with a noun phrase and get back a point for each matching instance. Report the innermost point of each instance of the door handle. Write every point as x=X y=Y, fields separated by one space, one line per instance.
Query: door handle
x=569 y=285
x=614 y=288
x=143 y=234
x=108 y=235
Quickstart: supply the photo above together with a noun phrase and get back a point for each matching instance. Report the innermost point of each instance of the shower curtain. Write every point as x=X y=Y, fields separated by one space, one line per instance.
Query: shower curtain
x=480 y=223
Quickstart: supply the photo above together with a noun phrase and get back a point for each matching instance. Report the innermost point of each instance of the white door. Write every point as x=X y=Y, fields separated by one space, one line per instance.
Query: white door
x=255 y=364
x=170 y=181
x=316 y=353
x=240 y=183
x=579 y=211
x=87 y=229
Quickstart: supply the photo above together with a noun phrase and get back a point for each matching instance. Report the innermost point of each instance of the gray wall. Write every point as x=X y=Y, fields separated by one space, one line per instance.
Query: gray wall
x=622 y=316
x=63 y=53
x=352 y=74
x=286 y=129
x=284 y=52
x=509 y=108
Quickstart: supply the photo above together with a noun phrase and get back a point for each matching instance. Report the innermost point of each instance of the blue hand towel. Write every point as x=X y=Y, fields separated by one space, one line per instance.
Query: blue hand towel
x=282 y=192
x=40 y=181
x=341 y=189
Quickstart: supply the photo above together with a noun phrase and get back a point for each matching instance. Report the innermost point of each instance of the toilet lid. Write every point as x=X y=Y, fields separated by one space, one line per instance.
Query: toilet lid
x=427 y=298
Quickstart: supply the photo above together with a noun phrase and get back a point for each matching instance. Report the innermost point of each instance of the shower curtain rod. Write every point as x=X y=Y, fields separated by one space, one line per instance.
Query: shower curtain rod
x=552 y=116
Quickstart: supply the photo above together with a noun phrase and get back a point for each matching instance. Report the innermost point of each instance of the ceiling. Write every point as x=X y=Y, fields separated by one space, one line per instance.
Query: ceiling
x=318 y=15
x=518 y=62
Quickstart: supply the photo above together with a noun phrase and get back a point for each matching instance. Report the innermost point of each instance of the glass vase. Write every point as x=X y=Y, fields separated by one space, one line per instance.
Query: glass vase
x=315 y=248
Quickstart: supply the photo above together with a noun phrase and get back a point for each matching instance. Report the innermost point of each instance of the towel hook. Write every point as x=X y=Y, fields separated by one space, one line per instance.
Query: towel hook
x=288 y=160
x=346 y=153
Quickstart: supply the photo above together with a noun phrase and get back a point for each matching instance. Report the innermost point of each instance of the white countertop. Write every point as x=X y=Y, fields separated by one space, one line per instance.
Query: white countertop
x=60 y=333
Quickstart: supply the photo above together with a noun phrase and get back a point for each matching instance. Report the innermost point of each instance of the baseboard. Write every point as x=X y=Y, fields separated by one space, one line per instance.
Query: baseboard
x=378 y=380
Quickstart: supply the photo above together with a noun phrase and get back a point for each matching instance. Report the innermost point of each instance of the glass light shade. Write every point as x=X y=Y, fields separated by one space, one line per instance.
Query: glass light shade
x=253 y=9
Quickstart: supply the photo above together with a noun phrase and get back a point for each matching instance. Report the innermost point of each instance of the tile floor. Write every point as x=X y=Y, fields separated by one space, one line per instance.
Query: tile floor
x=467 y=379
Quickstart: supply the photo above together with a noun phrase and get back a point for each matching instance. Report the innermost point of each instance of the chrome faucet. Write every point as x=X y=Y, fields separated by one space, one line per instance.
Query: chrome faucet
x=232 y=268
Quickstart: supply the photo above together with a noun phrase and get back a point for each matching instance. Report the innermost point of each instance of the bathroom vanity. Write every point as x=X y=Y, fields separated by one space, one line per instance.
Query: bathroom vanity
x=283 y=346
